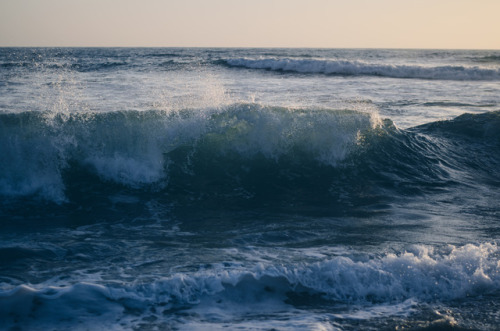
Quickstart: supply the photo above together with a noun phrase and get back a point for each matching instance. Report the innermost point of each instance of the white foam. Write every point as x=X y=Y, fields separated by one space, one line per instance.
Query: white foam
x=421 y=274
x=129 y=170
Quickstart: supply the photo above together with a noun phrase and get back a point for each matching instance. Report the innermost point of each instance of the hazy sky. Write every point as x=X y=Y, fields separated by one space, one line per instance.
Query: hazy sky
x=255 y=23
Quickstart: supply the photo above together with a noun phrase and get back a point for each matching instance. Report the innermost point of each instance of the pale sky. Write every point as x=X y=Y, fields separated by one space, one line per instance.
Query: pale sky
x=465 y=24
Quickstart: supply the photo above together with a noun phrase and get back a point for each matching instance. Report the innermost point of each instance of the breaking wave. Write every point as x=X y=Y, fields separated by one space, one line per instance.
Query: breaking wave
x=242 y=153
x=393 y=282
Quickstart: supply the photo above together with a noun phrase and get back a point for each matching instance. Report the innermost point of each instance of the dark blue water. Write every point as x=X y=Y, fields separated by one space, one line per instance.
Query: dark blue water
x=252 y=189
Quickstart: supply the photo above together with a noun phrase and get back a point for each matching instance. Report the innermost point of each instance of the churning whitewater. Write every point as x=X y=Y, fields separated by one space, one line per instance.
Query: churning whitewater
x=288 y=189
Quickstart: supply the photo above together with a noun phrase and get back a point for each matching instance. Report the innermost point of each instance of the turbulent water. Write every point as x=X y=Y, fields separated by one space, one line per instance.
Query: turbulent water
x=251 y=189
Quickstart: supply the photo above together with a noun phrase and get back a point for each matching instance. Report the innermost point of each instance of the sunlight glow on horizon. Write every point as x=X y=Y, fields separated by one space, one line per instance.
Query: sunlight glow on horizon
x=450 y=24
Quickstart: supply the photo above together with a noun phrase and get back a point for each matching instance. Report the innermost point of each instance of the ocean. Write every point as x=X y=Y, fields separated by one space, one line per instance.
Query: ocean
x=249 y=189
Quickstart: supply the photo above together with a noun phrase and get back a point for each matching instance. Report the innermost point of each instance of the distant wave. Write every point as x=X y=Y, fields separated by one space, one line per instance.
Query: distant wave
x=168 y=55
x=81 y=67
x=171 y=63
x=89 y=67
x=358 y=68
x=487 y=58
x=456 y=104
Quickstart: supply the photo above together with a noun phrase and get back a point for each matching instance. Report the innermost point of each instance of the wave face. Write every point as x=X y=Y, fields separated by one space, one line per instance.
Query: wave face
x=239 y=154
x=485 y=126
x=358 y=68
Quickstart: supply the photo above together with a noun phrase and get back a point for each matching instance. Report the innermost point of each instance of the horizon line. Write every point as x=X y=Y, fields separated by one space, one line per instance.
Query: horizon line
x=261 y=47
